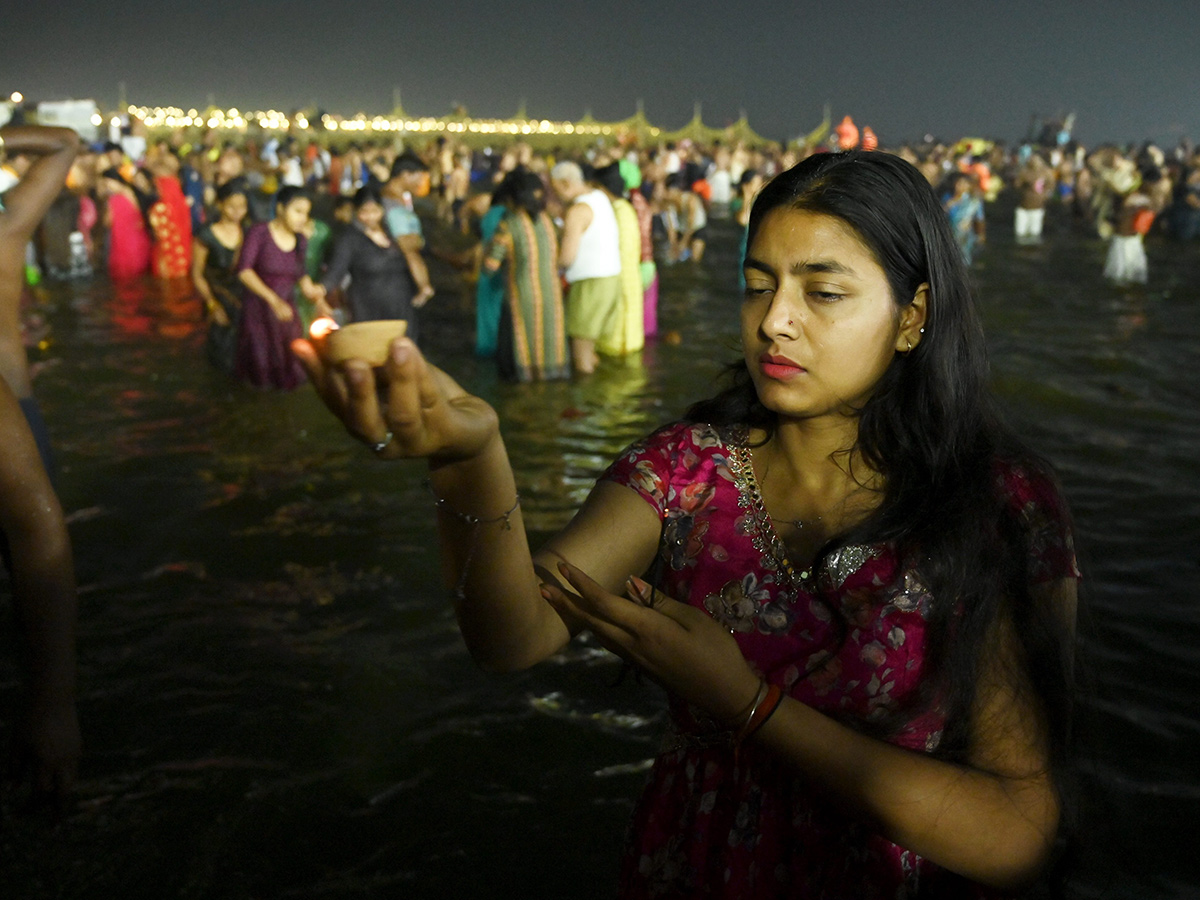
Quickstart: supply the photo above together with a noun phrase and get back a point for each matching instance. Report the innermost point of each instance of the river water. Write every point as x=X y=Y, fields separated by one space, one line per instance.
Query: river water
x=276 y=702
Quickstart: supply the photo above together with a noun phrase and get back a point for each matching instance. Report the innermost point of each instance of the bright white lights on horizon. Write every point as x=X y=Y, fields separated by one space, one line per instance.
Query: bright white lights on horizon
x=273 y=120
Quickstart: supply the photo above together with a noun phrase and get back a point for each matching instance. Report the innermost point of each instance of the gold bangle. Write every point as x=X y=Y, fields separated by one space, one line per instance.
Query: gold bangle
x=768 y=700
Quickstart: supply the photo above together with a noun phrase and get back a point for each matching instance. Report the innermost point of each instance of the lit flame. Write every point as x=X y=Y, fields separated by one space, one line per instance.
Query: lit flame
x=321 y=327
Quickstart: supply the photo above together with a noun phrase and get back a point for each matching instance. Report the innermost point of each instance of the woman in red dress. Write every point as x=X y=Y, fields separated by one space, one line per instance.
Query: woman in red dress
x=129 y=242
x=171 y=219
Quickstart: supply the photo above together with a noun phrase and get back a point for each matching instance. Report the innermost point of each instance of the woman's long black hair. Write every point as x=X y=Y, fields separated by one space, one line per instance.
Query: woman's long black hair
x=524 y=189
x=932 y=430
x=289 y=194
x=144 y=199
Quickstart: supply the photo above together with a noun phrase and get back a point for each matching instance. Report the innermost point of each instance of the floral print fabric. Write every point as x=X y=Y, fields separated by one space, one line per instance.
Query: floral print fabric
x=847 y=638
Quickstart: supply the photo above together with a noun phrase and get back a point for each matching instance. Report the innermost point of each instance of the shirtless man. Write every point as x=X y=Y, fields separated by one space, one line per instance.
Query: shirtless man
x=686 y=221
x=41 y=158
x=1034 y=184
x=455 y=187
x=37 y=549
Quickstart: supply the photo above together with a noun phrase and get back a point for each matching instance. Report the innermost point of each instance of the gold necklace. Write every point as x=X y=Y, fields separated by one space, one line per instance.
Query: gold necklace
x=798 y=524
x=763 y=534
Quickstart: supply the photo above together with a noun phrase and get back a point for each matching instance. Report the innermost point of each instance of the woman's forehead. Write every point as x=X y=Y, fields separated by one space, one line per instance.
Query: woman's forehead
x=788 y=226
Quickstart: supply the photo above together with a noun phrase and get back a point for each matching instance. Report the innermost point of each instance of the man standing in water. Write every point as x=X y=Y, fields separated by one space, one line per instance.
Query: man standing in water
x=590 y=254
x=408 y=176
x=1034 y=184
x=33 y=533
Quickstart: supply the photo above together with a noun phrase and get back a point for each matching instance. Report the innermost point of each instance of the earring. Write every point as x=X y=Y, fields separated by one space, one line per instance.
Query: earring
x=909 y=348
x=922 y=329
x=789 y=321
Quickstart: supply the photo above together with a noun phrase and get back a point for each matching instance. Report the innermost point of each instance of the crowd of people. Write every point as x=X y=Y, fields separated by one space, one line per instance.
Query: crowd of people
x=1118 y=195
x=856 y=583
x=564 y=247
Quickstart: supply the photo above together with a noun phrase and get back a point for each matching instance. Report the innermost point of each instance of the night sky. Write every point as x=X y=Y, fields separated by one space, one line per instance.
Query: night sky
x=1129 y=70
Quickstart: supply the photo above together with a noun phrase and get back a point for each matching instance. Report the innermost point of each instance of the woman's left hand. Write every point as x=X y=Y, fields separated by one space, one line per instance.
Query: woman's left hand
x=322 y=308
x=688 y=652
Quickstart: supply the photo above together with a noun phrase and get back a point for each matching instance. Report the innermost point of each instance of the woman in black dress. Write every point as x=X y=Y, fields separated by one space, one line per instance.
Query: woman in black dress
x=215 y=251
x=380 y=283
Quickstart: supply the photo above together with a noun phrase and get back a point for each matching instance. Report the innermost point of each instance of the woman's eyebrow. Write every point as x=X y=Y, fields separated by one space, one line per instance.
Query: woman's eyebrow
x=751 y=263
x=826 y=266
x=830 y=266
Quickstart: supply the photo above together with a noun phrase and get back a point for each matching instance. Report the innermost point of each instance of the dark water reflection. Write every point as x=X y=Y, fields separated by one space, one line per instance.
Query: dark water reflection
x=275 y=699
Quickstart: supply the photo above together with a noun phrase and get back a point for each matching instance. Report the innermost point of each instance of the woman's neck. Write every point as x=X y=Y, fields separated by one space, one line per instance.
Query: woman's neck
x=814 y=463
x=283 y=236
x=377 y=234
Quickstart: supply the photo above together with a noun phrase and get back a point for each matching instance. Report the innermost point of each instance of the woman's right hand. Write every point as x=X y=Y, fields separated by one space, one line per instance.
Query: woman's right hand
x=283 y=310
x=217 y=314
x=406 y=408
x=422 y=297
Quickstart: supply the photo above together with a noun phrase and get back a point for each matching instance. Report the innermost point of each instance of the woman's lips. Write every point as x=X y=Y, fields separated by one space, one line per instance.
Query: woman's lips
x=779 y=367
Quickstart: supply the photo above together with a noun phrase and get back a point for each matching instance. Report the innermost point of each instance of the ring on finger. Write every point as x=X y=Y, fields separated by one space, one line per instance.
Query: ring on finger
x=380 y=446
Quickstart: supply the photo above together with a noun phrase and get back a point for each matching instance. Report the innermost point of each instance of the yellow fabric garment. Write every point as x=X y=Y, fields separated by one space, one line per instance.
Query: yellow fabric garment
x=628 y=332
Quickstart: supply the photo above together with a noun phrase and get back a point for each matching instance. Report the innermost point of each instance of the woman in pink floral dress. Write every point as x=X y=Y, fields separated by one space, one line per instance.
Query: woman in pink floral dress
x=864 y=585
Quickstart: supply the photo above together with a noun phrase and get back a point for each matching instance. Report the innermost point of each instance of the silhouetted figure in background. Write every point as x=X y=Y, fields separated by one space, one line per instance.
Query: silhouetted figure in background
x=36 y=548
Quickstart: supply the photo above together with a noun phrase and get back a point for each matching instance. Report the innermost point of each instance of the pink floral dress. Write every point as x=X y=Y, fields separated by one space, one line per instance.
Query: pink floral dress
x=710 y=826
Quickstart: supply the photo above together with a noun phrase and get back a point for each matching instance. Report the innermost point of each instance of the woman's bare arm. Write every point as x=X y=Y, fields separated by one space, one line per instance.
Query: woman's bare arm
x=993 y=819
x=279 y=306
x=51 y=151
x=43 y=586
x=505 y=621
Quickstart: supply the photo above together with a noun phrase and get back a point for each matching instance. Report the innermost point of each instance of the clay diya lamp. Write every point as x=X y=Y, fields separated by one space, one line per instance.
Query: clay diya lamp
x=369 y=341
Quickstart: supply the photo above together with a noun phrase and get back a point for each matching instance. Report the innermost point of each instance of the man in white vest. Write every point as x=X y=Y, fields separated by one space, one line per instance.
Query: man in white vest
x=590 y=256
